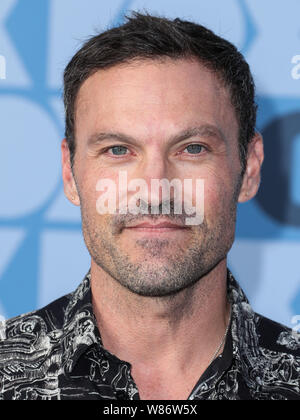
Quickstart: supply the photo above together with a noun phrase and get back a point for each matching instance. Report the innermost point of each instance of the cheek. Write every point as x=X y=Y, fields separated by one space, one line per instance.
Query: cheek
x=218 y=194
x=96 y=185
x=214 y=201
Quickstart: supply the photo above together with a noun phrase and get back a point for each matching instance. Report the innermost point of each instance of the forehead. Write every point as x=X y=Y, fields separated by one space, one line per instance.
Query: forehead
x=150 y=96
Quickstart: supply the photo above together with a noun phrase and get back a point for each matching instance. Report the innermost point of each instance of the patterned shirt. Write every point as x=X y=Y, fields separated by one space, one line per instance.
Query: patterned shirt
x=56 y=353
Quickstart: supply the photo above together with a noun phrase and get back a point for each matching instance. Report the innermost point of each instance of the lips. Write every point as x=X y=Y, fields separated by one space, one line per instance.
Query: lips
x=158 y=225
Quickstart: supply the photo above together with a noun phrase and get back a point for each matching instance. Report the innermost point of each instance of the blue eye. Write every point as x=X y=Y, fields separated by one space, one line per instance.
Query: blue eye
x=194 y=148
x=118 y=150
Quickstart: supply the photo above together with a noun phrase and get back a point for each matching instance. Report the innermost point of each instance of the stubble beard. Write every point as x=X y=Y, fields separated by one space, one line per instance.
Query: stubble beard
x=164 y=267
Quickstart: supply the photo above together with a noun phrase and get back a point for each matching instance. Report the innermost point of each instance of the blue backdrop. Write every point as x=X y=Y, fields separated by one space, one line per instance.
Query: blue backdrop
x=42 y=254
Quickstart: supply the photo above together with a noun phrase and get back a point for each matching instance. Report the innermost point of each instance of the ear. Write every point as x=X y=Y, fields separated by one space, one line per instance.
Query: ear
x=251 y=178
x=70 y=188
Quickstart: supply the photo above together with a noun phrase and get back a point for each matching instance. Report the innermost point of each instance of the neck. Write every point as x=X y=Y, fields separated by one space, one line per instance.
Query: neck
x=183 y=330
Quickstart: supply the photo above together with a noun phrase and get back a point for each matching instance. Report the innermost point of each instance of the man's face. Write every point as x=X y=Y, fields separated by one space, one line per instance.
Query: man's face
x=169 y=119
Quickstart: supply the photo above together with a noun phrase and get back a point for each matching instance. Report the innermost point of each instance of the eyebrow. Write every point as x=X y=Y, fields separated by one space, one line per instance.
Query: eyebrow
x=204 y=130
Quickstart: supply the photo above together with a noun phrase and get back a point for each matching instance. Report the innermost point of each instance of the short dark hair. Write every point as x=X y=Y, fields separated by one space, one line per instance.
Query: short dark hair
x=144 y=36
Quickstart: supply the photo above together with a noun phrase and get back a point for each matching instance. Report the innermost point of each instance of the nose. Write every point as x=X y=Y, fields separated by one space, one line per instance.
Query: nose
x=154 y=172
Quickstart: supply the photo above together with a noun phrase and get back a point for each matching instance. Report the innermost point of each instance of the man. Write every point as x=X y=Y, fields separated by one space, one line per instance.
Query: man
x=159 y=315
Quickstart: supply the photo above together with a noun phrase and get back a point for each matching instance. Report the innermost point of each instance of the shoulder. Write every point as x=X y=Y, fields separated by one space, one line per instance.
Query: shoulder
x=35 y=323
x=277 y=337
x=272 y=360
x=28 y=345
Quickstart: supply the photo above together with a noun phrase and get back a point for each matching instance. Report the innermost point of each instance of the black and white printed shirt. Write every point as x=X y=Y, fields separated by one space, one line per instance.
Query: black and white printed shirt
x=56 y=353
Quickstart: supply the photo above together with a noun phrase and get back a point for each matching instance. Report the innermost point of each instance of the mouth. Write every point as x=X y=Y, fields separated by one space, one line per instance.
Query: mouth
x=156 y=227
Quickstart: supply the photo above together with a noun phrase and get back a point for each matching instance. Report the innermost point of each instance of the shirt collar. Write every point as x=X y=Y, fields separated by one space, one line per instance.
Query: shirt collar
x=81 y=331
x=244 y=323
x=80 y=326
